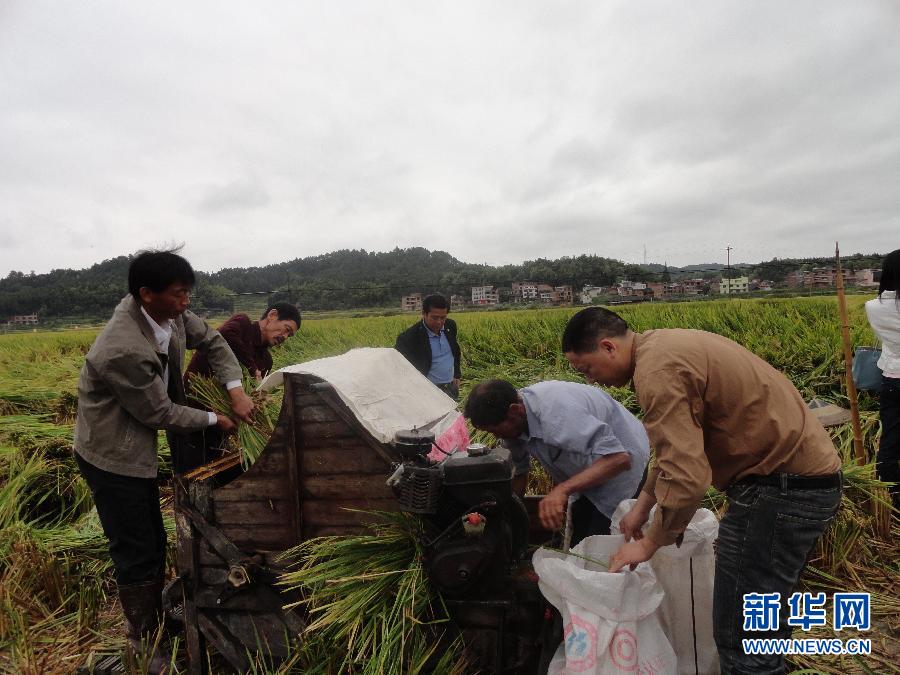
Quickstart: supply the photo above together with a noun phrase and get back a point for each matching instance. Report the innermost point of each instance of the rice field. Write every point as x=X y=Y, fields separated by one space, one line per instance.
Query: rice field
x=57 y=599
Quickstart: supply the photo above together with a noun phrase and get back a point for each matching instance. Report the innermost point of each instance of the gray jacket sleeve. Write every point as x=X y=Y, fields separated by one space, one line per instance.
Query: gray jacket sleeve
x=199 y=335
x=138 y=388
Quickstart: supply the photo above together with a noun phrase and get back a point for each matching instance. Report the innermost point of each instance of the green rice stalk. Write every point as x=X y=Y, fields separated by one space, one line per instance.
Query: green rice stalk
x=37 y=489
x=370 y=607
x=251 y=438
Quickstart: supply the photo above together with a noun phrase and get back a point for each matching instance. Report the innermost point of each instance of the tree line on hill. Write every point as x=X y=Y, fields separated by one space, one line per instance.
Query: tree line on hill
x=350 y=279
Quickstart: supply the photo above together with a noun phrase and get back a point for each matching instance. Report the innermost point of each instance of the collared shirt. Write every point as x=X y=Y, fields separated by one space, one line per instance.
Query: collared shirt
x=570 y=427
x=441 y=371
x=716 y=413
x=162 y=335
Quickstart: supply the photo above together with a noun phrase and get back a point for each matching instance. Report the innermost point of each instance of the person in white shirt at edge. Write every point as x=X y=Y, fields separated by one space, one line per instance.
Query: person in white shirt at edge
x=884 y=316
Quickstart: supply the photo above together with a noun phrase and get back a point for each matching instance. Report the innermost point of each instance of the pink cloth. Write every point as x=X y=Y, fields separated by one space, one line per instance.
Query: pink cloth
x=454 y=439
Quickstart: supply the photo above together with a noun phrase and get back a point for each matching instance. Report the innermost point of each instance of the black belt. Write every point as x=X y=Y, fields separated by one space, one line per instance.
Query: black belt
x=789 y=480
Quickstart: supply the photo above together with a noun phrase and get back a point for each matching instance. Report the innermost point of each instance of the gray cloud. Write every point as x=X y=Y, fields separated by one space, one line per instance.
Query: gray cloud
x=240 y=194
x=498 y=132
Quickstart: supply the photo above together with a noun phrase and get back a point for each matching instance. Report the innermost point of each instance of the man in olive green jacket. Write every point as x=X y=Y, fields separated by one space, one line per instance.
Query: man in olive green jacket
x=129 y=388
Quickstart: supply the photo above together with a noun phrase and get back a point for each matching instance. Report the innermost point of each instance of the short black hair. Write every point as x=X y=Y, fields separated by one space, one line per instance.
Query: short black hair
x=588 y=326
x=157 y=270
x=890 y=272
x=286 y=312
x=488 y=402
x=434 y=301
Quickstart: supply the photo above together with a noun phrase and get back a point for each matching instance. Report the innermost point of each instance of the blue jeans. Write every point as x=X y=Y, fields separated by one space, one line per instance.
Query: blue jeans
x=887 y=463
x=764 y=540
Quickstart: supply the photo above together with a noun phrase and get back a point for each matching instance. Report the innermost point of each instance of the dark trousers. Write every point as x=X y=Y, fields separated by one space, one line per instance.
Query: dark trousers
x=587 y=520
x=192 y=450
x=887 y=463
x=450 y=389
x=129 y=512
x=764 y=540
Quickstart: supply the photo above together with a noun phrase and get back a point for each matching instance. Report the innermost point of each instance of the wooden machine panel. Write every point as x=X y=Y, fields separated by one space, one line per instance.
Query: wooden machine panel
x=343 y=469
x=318 y=470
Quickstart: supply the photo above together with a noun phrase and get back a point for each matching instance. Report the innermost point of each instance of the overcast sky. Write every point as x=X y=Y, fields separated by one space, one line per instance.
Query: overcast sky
x=497 y=131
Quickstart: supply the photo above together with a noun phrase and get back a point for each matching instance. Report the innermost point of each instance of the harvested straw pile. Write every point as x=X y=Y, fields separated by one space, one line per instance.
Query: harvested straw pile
x=370 y=608
x=38 y=481
x=54 y=564
x=859 y=553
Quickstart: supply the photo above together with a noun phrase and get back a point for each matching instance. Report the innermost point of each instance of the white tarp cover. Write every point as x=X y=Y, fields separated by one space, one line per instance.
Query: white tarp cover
x=382 y=389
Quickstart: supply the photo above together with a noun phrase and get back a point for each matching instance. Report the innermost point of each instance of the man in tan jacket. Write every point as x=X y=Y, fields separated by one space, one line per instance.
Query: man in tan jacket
x=717 y=414
x=129 y=388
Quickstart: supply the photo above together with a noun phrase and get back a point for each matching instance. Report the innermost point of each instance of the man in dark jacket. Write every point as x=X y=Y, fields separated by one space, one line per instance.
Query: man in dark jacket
x=431 y=346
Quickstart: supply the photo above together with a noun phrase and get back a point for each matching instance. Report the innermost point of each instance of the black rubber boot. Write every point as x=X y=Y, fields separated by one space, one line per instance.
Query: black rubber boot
x=171 y=608
x=142 y=605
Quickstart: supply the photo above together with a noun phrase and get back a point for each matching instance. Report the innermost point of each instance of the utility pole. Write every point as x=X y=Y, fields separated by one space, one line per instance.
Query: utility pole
x=858 y=448
x=728 y=267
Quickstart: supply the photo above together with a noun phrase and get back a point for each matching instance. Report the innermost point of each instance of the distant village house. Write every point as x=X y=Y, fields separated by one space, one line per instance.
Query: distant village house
x=524 y=291
x=820 y=277
x=735 y=285
x=590 y=293
x=411 y=303
x=694 y=286
x=562 y=295
x=658 y=289
x=485 y=295
x=628 y=288
x=23 y=320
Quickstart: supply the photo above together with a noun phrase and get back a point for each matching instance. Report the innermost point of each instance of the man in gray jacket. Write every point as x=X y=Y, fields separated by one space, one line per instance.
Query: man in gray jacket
x=129 y=388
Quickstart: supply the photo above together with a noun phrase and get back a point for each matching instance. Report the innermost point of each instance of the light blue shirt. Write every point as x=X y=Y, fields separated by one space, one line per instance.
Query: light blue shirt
x=571 y=426
x=441 y=357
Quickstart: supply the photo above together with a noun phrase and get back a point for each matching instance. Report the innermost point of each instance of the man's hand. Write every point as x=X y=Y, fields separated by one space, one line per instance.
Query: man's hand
x=632 y=522
x=225 y=423
x=241 y=405
x=455 y=382
x=632 y=553
x=552 y=509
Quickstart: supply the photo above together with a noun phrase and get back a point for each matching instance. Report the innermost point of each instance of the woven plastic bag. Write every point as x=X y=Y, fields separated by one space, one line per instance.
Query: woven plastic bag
x=686 y=574
x=866 y=373
x=610 y=621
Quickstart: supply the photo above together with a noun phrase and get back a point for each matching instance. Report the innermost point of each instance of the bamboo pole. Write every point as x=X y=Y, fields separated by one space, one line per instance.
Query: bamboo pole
x=848 y=362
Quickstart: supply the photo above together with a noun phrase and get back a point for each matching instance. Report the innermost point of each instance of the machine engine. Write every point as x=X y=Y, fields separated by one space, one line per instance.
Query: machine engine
x=480 y=527
x=475 y=551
